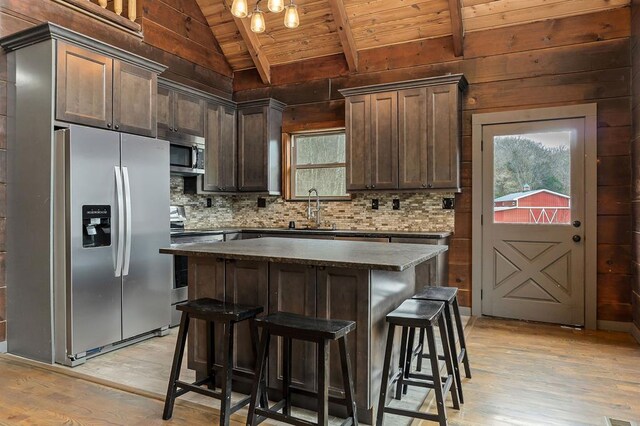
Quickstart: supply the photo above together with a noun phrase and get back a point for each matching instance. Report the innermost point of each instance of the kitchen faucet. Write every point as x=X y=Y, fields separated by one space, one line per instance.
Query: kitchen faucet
x=314 y=213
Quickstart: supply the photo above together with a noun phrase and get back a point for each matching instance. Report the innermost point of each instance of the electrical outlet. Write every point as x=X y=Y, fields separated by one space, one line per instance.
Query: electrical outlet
x=209 y=203
x=448 y=203
x=396 y=204
x=375 y=204
x=262 y=202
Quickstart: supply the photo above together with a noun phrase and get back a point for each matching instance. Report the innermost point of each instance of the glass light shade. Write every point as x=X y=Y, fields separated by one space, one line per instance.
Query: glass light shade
x=275 y=6
x=291 y=19
x=257 y=21
x=240 y=8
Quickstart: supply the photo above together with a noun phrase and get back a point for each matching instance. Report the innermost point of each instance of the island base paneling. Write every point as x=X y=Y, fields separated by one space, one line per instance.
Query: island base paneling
x=361 y=295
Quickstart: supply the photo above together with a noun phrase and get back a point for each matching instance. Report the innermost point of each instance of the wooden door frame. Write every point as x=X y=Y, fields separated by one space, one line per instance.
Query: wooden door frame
x=589 y=113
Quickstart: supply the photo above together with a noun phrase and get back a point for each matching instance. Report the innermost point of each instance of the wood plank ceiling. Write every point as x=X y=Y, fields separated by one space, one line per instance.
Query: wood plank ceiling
x=329 y=27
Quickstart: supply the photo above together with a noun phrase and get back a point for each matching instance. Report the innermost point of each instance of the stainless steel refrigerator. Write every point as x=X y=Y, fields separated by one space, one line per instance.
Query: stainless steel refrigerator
x=110 y=218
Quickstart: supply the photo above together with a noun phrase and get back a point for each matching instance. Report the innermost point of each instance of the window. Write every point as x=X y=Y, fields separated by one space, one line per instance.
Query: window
x=318 y=160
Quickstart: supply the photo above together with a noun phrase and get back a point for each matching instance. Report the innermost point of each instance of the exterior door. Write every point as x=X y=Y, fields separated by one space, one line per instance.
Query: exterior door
x=146 y=275
x=533 y=210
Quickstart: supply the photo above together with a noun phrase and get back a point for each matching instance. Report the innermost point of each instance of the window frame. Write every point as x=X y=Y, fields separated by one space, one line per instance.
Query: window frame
x=291 y=167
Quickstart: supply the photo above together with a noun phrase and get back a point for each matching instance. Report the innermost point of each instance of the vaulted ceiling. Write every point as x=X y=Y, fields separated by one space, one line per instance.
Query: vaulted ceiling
x=329 y=27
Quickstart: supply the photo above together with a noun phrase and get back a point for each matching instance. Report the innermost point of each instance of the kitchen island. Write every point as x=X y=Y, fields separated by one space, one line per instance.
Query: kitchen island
x=359 y=281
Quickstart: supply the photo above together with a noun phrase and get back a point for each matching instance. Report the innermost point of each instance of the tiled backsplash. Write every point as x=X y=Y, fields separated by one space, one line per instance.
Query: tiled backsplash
x=418 y=212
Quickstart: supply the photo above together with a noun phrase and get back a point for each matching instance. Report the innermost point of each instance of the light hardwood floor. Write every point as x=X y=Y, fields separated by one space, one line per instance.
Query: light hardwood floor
x=523 y=374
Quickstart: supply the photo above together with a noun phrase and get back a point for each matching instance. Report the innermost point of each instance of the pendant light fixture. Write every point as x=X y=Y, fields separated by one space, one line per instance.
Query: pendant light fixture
x=291 y=18
x=275 y=6
x=240 y=8
x=257 y=21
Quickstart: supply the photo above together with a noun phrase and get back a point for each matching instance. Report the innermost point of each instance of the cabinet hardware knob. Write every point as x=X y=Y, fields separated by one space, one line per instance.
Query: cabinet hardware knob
x=424 y=185
x=373 y=186
x=109 y=125
x=366 y=186
x=577 y=223
x=430 y=185
x=117 y=126
x=576 y=238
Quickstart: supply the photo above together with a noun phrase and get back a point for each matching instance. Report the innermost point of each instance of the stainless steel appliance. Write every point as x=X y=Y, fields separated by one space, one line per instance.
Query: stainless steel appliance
x=112 y=286
x=180 y=264
x=187 y=157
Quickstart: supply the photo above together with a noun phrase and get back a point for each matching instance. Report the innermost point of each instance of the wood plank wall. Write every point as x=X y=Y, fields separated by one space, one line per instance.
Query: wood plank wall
x=556 y=62
x=175 y=34
x=635 y=144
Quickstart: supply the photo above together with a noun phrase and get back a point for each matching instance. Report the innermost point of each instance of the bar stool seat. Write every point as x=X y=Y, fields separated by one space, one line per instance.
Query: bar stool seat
x=317 y=330
x=448 y=295
x=424 y=315
x=212 y=311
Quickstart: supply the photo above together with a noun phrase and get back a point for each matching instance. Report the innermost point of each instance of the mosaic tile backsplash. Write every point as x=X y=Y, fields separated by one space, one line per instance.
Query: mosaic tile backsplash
x=418 y=212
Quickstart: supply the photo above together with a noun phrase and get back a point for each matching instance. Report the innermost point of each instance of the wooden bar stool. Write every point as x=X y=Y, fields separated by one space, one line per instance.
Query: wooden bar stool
x=449 y=296
x=424 y=315
x=316 y=330
x=211 y=311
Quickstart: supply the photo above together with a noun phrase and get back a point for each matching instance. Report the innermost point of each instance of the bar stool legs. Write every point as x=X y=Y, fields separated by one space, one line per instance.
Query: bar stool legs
x=175 y=366
x=463 y=343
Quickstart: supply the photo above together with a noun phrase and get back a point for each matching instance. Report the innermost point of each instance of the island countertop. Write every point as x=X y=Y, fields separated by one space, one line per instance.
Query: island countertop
x=347 y=254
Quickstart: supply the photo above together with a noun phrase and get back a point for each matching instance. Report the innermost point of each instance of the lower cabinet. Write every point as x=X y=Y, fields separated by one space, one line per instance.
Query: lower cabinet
x=292 y=288
x=344 y=294
x=247 y=283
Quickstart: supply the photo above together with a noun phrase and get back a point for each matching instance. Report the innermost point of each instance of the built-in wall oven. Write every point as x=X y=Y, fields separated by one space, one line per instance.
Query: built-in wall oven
x=181 y=266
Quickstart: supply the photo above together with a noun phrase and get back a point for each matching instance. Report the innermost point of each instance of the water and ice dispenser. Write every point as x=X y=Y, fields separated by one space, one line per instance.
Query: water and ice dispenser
x=96 y=226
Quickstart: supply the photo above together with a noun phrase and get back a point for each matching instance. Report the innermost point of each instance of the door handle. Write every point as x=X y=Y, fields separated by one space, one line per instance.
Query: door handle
x=127 y=197
x=577 y=223
x=576 y=238
x=194 y=157
x=118 y=270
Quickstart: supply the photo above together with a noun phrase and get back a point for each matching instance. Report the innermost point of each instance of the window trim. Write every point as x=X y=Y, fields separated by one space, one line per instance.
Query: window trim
x=290 y=167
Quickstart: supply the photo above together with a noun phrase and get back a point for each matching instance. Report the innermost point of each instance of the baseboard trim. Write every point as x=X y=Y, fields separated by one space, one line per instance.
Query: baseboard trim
x=3 y=347
x=635 y=331
x=465 y=310
x=624 y=327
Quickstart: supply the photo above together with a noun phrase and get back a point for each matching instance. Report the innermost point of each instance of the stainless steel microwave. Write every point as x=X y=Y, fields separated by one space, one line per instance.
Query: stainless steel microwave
x=186 y=158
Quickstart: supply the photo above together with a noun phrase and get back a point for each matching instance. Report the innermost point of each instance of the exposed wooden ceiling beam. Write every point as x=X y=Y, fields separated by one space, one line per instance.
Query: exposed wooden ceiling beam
x=344 y=31
x=254 y=46
x=457 y=29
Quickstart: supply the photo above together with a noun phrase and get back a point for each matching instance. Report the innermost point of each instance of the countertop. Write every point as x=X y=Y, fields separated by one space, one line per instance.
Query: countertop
x=344 y=254
x=313 y=231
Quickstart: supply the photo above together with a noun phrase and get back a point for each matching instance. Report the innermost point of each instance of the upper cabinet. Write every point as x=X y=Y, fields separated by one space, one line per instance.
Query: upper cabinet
x=221 y=151
x=181 y=112
x=404 y=135
x=96 y=88
x=259 y=146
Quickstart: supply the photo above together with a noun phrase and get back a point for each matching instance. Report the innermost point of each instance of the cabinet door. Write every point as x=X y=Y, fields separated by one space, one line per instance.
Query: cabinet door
x=228 y=149
x=358 y=136
x=344 y=294
x=384 y=140
x=206 y=279
x=247 y=283
x=412 y=135
x=212 y=180
x=165 y=104
x=134 y=99
x=84 y=86
x=189 y=114
x=443 y=137
x=292 y=288
x=252 y=153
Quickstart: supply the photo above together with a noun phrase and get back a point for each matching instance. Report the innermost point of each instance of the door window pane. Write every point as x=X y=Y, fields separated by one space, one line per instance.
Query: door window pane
x=532 y=178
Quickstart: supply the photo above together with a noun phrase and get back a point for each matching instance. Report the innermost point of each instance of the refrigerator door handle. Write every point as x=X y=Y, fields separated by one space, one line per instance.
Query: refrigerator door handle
x=127 y=244
x=118 y=269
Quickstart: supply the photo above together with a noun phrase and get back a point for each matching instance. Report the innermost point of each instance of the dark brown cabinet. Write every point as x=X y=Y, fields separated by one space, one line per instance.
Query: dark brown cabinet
x=404 y=135
x=259 y=146
x=181 y=114
x=292 y=288
x=97 y=90
x=221 y=150
x=246 y=282
x=134 y=99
